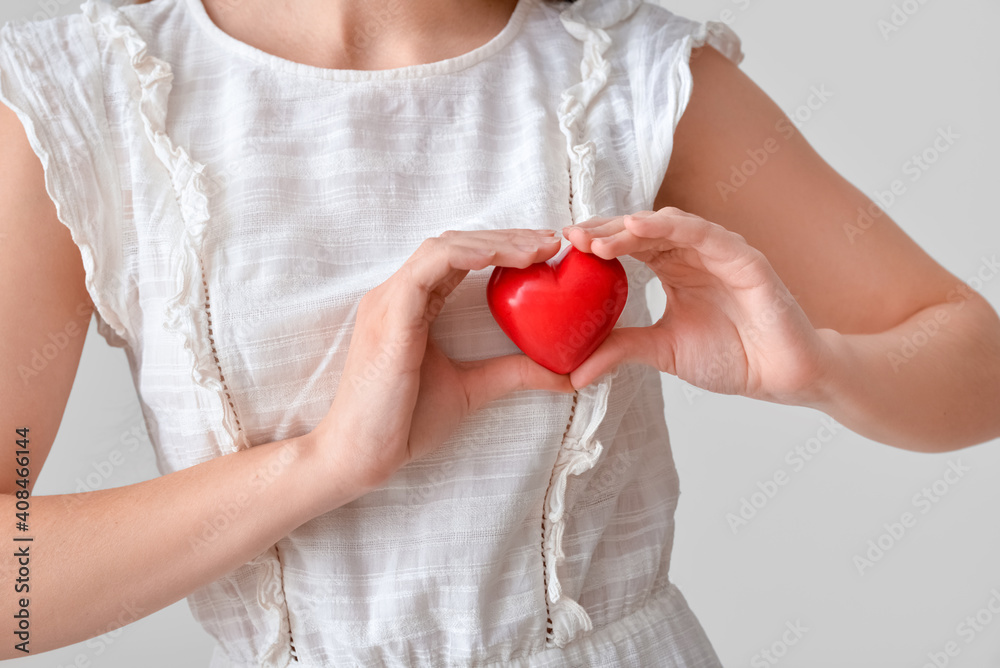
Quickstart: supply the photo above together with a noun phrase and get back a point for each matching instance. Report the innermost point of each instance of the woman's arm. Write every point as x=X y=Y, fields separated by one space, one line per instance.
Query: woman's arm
x=105 y=558
x=917 y=351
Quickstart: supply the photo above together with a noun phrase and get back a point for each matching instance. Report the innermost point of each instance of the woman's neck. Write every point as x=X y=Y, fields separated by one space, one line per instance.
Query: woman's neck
x=362 y=34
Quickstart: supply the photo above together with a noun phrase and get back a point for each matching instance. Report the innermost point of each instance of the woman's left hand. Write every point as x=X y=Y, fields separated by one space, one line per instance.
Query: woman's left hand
x=730 y=325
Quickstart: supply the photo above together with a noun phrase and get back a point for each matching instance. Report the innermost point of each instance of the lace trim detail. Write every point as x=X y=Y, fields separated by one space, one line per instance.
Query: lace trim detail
x=184 y=312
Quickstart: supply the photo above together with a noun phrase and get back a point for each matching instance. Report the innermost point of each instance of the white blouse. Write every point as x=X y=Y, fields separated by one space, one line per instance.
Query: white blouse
x=231 y=207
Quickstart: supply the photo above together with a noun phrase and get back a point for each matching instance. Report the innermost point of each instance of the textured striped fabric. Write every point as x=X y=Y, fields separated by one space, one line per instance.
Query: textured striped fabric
x=231 y=207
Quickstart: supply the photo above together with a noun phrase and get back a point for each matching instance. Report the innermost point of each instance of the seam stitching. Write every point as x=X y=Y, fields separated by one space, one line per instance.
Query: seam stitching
x=545 y=574
x=215 y=354
x=288 y=618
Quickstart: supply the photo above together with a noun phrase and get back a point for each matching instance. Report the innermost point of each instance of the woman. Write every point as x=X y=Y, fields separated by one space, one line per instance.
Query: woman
x=286 y=217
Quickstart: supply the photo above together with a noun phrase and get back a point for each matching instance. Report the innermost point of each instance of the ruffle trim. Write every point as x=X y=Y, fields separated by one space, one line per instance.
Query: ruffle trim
x=271 y=597
x=185 y=312
x=719 y=36
x=586 y=22
x=579 y=451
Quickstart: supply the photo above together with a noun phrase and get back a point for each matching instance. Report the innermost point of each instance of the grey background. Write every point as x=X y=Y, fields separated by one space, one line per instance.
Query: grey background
x=793 y=562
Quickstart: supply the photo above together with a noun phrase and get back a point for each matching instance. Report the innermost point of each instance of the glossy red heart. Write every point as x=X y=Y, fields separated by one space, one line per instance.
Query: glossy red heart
x=559 y=311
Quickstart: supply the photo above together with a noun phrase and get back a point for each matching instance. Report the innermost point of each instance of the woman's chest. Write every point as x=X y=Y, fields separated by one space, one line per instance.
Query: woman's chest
x=316 y=196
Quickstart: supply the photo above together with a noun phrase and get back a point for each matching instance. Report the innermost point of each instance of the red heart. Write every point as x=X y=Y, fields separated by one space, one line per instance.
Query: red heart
x=559 y=311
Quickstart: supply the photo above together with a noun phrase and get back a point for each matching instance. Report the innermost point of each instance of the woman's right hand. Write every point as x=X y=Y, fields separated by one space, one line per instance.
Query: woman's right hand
x=399 y=396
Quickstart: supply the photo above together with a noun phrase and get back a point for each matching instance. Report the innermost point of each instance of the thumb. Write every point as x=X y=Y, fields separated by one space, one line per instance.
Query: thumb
x=489 y=379
x=624 y=344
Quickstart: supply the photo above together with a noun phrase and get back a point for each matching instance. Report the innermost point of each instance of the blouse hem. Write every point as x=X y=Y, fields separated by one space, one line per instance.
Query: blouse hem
x=644 y=637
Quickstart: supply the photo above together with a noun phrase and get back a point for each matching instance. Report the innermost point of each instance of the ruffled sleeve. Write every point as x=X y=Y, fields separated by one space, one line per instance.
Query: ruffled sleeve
x=658 y=61
x=50 y=76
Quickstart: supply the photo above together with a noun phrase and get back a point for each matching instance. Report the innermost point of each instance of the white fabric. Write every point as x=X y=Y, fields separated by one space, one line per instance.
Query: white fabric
x=231 y=208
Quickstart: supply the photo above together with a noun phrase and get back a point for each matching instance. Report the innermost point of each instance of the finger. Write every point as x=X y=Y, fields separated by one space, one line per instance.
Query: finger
x=583 y=237
x=609 y=237
x=595 y=222
x=439 y=258
x=625 y=242
x=497 y=239
x=603 y=225
x=526 y=255
x=624 y=344
x=490 y=379
x=517 y=251
x=673 y=228
x=520 y=255
x=685 y=230
x=492 y=236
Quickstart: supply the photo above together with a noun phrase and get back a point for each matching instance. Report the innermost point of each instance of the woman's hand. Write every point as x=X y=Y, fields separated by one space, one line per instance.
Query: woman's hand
x=399 y=396
x=730 y=324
